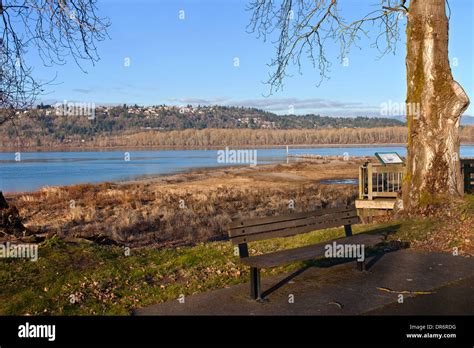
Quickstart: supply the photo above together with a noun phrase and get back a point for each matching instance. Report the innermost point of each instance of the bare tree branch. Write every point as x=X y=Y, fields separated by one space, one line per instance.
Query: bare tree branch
x=304 y=26
x=56 y=29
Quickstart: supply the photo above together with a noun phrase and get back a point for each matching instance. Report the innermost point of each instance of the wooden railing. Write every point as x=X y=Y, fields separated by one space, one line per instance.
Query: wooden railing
x=379 y=181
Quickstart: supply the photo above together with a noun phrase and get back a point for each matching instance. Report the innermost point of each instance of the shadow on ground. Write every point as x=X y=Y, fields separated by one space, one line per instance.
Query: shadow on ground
x=426 y=281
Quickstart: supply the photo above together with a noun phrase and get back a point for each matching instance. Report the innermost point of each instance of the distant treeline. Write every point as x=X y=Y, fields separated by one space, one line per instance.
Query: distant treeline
x=189 y=138
x=261 y=137
x=46 y=121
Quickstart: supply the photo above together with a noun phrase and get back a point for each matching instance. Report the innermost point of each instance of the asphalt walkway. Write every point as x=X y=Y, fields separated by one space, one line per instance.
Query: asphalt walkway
x=429 y=283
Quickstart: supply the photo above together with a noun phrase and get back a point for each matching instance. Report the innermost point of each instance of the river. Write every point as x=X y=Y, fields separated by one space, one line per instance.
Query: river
x=29 y=171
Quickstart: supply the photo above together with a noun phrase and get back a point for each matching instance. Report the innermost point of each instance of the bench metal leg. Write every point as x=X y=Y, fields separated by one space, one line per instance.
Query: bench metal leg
x=255 y=287
x=348 y=230
x=361 y=265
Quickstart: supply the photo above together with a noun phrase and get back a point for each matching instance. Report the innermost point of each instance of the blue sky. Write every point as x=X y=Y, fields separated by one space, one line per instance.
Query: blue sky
x=175 y=61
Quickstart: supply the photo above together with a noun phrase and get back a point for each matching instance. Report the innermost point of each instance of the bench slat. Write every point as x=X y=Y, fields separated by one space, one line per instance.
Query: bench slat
x=243 y=222
x=296 y=222
x=283 y=257
x=293 y=231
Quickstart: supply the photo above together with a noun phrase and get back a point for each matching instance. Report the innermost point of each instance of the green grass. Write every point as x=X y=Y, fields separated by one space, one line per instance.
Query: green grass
x=105 y=281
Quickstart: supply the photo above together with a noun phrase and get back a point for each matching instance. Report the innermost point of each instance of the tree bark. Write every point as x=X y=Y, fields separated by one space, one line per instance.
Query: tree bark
x=435 y=103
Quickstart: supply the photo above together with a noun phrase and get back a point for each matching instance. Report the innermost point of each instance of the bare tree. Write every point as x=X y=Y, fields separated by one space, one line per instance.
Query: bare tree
x=305 y=27
x=55 y=30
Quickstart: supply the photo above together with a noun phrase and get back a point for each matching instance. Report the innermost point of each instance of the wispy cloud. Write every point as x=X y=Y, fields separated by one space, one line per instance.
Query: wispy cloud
x=201 y=101
x=287 y=105
x=83 y=90
x=283 y=104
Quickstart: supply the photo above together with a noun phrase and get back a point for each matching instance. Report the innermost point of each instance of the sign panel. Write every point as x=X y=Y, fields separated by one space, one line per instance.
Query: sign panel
x=389 y=158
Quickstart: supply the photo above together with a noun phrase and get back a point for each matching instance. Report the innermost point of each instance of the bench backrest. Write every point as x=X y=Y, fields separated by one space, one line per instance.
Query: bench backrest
x=242 y=231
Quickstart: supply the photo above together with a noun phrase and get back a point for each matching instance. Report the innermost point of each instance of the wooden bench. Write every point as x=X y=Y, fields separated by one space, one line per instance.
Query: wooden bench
x=243 y=231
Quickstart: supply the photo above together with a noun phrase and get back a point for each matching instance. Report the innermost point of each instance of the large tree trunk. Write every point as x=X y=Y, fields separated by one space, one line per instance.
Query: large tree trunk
x=435 y=103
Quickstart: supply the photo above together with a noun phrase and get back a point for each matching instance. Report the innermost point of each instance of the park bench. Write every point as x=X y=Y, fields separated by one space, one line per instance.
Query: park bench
x=244 y=231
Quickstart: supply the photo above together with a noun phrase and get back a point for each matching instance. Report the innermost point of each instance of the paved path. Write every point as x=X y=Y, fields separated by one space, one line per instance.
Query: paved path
x=342 y=290
x=452 y=299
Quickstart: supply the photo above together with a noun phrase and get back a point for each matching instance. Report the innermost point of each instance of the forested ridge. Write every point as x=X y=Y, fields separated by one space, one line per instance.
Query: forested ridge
x=195 y=126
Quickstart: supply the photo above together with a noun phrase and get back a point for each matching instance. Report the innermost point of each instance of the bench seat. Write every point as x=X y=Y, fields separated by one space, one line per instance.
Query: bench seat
x=246 y=230
x=305 y=253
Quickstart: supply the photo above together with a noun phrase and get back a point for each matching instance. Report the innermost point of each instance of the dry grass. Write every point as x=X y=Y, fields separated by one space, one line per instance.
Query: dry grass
x=185 y=208
x=451 y=230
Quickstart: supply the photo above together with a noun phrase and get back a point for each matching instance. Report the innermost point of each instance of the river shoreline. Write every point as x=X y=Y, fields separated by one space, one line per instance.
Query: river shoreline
x=106 y=165
x=201 y=173
x=190 y=148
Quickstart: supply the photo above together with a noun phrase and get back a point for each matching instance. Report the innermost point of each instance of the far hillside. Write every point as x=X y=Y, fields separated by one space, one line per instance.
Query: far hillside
x=106 y=126
x=78 y=119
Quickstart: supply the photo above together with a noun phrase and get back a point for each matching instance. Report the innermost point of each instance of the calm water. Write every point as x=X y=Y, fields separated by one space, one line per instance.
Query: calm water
x=39 y=169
